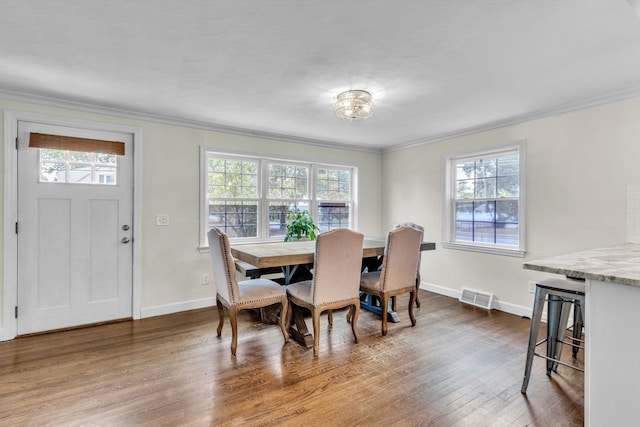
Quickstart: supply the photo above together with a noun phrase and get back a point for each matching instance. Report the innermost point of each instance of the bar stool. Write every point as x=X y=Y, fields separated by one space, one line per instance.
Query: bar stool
x=560 y=294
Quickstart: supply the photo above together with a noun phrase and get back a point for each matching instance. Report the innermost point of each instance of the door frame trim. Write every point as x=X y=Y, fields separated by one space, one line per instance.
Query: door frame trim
x=9 y=327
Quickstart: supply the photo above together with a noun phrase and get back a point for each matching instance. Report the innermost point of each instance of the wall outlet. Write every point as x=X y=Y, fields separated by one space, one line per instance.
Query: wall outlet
x=162 y=219
x=205 y=278
x=532 y=287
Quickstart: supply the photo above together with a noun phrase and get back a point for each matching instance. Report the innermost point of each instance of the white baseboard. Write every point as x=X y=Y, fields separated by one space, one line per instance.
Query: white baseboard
x=507 y=307
x=160 y=310
x=437 y=289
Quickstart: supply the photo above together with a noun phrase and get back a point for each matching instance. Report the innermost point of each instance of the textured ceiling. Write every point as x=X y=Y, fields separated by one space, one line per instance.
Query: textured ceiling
x=274 y=67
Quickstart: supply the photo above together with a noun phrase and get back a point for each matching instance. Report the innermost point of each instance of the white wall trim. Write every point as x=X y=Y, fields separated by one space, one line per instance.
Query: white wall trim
x=10 y=205
x=507 y=307
x=10 y=239
x=518 y=310
x=177 y=307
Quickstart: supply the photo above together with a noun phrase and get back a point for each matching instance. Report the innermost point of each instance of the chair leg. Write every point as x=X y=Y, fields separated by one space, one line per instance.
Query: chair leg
x=233 y=319
x=316 y=331
x=289 y=316
x=220 y=316
x=330 y=317
x=384 y=303
x=284 y=318
x=412 y=300
x=418 y=280
x=355 y=311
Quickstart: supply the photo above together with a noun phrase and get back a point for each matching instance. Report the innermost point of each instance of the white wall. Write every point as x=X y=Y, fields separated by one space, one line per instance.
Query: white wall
x=579 y=166
x=633 y=213
x=171 y=265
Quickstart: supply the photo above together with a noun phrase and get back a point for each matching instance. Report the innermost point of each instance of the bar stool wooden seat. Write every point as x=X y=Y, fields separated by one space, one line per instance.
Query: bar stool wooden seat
x=561 y=295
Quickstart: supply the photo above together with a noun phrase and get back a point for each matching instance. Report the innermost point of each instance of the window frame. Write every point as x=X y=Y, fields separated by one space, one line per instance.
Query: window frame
x=449 y=221
x=263 y=192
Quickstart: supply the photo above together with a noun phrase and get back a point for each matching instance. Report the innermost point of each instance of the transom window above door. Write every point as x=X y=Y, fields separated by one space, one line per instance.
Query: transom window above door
x=77 y=167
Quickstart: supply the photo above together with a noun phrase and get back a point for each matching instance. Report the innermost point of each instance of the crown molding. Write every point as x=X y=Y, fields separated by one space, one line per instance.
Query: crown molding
x=176 y=121
x=540 y=114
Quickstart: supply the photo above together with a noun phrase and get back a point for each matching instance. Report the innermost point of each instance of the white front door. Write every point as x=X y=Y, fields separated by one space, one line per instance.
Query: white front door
x=74 y=232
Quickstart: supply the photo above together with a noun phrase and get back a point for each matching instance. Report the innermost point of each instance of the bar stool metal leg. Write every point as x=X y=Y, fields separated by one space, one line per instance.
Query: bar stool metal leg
x=561 y=331
x=538 y=306
x=554 y=324
x=578 y=325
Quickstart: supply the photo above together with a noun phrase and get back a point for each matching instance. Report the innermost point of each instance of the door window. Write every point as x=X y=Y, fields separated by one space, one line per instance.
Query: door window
x=77 y=167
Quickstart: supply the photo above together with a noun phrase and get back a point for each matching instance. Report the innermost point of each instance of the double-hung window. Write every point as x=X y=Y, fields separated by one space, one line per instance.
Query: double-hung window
x=484 y=202
x=288 y=190
x=333 y=197
x=232 y=193
x=250 y=198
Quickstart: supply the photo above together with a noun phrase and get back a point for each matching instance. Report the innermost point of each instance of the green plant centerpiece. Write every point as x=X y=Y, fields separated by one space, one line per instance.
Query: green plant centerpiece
x=300 y=226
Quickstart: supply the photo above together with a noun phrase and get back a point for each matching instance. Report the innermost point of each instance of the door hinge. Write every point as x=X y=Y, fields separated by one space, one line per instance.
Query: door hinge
x=16 y=312
x=17 y=143
x=16 y=227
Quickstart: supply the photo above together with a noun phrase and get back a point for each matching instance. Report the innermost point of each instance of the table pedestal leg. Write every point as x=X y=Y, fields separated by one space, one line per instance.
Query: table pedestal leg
x=372 y=303
x=298 y=329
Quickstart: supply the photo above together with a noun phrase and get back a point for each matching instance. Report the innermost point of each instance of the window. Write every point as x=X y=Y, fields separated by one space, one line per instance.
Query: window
x=232 y=194
x=288 y=189
x=250 y=198
x=333 y=191
x=484 y=206
x=77 y=167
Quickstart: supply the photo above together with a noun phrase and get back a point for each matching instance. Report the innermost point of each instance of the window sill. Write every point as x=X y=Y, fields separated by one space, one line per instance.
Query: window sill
x=494 y=250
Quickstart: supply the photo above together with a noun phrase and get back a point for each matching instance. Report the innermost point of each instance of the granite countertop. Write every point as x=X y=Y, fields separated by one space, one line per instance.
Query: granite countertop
x=617 y=264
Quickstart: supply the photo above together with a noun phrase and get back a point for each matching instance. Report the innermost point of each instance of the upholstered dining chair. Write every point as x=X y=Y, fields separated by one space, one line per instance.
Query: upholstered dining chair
x=418 y=279
x=398 y=273
x=247 y=294
x=335 y=282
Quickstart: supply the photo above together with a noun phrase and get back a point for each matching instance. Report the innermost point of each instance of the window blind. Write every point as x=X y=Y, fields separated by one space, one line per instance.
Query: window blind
x=59 y=142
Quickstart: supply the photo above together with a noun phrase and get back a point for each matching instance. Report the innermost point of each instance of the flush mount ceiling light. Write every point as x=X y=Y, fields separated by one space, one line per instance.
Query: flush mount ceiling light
x=354 y=105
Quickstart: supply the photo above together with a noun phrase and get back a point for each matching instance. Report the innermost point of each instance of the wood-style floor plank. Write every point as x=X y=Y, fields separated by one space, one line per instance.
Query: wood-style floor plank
x=460 y=366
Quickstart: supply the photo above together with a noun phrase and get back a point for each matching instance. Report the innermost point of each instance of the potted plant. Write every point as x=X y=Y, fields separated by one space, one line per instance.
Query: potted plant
x=300 y=226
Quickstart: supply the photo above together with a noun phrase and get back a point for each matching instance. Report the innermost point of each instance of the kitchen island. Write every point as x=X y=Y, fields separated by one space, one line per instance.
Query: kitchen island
x=612 y=329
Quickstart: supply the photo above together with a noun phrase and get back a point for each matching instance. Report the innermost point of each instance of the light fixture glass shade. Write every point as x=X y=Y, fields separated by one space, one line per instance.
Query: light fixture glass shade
x=354 y=105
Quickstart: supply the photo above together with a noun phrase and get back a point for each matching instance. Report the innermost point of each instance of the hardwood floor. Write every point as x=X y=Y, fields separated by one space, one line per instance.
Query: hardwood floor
x=460 y=366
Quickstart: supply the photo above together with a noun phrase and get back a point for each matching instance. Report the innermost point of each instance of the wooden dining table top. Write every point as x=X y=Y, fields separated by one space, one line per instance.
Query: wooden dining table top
x=277 y=254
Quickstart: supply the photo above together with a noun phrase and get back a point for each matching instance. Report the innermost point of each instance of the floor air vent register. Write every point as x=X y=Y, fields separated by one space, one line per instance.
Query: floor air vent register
x=477 y=298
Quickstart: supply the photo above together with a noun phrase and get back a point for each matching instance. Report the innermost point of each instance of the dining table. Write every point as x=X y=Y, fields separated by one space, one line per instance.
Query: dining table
x=289 y=258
